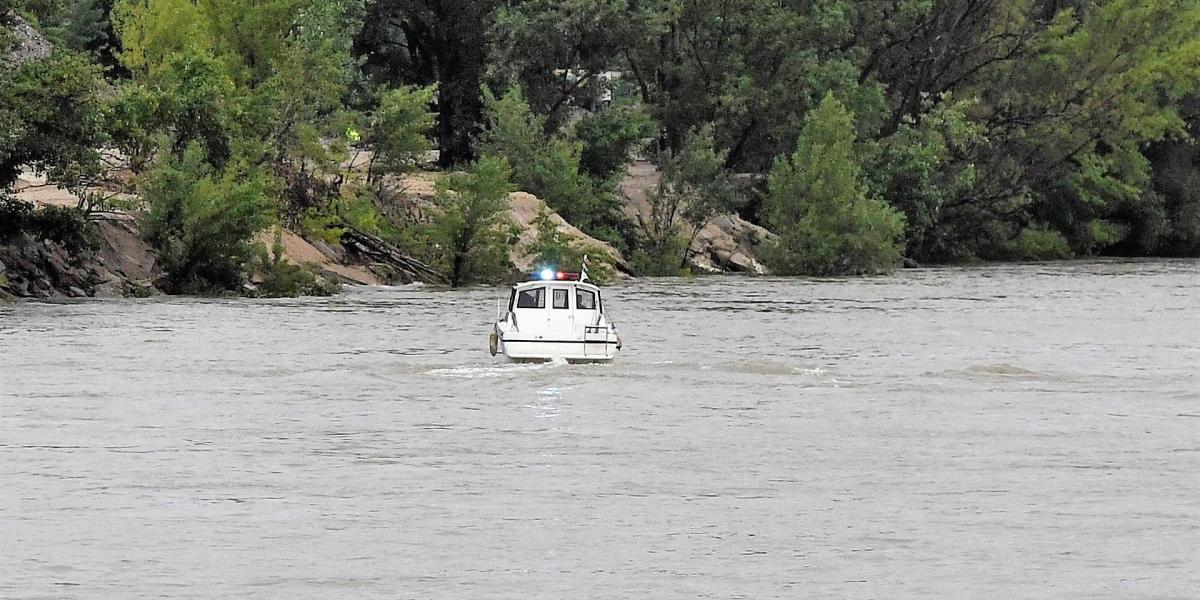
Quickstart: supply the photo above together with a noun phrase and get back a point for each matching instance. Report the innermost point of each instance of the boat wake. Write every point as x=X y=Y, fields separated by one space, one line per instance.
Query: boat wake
x=495 y=371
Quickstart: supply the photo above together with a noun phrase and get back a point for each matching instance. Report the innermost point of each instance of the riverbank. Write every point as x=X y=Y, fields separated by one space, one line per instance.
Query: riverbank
x=121 y=263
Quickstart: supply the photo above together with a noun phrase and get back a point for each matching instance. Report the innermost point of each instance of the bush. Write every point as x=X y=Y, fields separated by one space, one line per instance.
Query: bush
x=658 y=256
x=319 y=225
x=359 y=212
x=818 y=205
x=1038 y=243
x=282 y=279
x=203 y=223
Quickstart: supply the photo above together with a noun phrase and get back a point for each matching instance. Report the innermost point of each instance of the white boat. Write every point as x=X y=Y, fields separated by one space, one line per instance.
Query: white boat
x=555 y=315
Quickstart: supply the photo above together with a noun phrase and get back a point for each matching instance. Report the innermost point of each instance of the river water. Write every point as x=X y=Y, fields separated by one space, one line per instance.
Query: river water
x=993 y=432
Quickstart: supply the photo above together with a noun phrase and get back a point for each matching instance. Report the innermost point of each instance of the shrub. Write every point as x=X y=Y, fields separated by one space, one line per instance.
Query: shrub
x=1038 y=243
x=319 y=225
x=359 y=212
x=282 y=279
x=659 y=256
x=203 y=223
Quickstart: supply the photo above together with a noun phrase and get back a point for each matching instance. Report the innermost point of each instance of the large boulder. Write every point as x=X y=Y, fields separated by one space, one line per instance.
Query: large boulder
x=729 y=243
x=524 y=214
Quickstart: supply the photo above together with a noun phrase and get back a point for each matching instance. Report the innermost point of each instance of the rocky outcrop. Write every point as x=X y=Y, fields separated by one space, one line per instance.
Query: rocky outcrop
x=729 y=243
x=524 y=214
x=122 y=265
x=330 y=261
x=126 y=255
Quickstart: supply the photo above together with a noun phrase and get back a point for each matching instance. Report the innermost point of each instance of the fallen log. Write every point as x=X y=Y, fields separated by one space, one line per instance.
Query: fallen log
x=376 y=250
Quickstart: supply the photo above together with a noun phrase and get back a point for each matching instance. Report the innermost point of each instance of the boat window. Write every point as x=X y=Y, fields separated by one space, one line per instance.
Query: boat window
x=560 y=299
x=532 y=298
x=585 y=300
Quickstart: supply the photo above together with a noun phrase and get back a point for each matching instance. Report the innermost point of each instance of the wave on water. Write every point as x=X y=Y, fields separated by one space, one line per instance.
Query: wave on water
x=499 y=370
x=774 y=368
x=1000 y=369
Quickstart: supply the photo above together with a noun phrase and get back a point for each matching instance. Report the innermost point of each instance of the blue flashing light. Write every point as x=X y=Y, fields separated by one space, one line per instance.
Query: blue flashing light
x=547 y=274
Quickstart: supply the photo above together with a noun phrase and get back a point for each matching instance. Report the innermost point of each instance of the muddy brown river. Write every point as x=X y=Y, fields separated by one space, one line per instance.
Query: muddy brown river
x=991 y=432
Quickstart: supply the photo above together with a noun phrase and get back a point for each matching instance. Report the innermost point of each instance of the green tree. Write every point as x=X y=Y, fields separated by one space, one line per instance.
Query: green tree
x=52 y=119
x=1118 y=70
x=549 y=167
x=559 y=50
x=191 y=100
x=751 y=68
x=427 y=42
x=398 y=133
x=916 y=169
x=608 y=139
x=265 y=79
x=694 y=189
x=469 y=235
x=1064 y=95
x=818 y=205
x=1170 y=225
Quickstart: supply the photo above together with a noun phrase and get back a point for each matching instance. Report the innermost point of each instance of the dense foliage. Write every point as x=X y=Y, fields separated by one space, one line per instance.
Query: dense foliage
x=937 y=130
x=51 y=119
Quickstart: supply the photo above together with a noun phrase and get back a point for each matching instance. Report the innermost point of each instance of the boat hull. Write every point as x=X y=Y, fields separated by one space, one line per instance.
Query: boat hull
x=575 y=351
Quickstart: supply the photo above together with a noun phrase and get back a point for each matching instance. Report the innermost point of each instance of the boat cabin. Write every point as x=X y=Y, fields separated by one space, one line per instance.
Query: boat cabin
x=539 y=308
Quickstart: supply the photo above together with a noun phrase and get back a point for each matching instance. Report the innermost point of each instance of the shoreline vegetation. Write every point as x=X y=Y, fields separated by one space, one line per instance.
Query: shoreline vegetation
x=284 y=147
